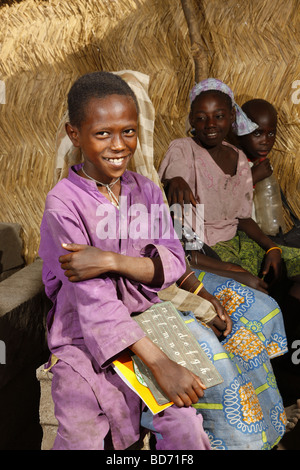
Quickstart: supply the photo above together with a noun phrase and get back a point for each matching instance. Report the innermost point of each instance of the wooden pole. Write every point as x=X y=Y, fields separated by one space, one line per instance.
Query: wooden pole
x=192 y=11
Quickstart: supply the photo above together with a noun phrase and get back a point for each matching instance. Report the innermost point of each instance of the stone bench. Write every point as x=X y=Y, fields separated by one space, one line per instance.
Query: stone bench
x=46 y=411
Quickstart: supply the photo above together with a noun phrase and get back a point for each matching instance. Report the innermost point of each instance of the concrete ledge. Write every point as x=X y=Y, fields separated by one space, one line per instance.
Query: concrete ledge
x=21 y=287
x=48 y=421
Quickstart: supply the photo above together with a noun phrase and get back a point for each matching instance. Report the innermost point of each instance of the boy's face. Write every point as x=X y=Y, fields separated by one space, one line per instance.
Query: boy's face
x=259 y=143
x=107 y=137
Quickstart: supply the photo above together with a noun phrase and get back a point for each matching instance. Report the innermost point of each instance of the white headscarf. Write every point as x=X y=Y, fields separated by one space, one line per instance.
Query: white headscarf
x=242 y=125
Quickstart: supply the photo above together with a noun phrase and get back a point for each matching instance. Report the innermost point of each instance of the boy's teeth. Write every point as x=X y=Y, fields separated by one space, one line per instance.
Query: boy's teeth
x=115 y=160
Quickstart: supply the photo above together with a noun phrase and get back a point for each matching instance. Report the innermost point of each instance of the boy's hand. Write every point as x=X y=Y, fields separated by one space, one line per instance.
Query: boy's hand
x=89 y=262
x=84 y=262
x=180 y=385
x=261 y=170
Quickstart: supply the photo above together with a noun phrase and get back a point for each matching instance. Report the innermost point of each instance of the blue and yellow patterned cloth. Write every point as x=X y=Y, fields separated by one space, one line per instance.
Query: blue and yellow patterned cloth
x=246 y=411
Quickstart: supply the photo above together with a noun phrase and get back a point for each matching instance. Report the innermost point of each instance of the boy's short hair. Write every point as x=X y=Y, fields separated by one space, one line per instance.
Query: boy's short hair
x=95 y=85
x=255 y=105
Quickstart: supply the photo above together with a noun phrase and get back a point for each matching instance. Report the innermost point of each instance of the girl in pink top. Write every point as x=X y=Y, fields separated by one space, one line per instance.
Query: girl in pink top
x=204 y=169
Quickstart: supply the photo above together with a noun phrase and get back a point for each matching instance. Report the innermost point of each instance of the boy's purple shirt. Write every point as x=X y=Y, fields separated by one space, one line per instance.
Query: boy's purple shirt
x=95 y=315
x=90 y=322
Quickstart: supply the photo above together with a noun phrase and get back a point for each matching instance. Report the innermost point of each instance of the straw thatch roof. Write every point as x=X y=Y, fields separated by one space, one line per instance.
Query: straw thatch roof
x=45 y=45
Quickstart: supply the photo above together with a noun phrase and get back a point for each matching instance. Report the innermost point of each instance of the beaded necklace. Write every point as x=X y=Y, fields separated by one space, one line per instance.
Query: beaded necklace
x=112 y=197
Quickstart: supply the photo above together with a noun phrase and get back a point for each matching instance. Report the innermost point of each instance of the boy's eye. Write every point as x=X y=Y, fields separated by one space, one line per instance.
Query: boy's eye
x=220 y=116
x=130 y=132
x=102 y=133
x=256 y=133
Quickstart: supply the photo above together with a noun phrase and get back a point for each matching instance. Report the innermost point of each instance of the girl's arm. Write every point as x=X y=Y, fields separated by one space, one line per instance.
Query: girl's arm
x=273 y=256
x=251 y=228
x=181 y=386
x=87 y=262
x=224 y=269
x=221 y=324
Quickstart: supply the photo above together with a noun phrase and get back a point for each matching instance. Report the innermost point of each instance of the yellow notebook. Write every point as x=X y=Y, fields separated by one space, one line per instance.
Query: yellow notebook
x=124 y=367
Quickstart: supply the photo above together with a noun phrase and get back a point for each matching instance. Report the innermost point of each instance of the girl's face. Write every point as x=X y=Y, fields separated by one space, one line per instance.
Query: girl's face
x=107 y=137
x=211 y=117
x=259 y=143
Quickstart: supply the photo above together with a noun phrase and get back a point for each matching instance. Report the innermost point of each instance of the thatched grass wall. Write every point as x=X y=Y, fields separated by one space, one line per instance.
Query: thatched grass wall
x=45 y=45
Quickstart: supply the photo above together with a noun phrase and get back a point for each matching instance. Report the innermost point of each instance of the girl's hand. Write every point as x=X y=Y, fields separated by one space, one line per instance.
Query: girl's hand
x=85 y=262
x=273 y=260
x=179 y=192
x=243 y=276
x=234 y=267
x=221 y=324
x=250 y=280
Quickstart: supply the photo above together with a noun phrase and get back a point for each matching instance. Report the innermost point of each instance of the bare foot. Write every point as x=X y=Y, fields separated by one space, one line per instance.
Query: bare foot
x=293 y=415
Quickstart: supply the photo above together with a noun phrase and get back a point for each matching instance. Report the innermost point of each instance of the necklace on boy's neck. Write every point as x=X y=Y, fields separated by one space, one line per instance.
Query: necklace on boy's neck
x=112 y=197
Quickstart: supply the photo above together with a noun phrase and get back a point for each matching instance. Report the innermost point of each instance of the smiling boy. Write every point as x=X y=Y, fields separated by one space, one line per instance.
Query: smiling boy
x=90 y=323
